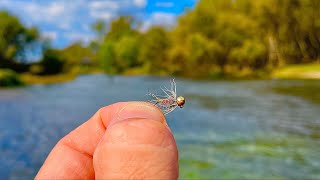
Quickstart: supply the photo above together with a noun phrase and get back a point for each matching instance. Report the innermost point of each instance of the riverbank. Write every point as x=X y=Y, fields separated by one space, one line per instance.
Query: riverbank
x=305 y=71
x=30 y=79
x=9 y=78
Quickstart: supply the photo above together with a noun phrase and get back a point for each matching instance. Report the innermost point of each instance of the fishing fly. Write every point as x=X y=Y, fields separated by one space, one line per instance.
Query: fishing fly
x=169 y=101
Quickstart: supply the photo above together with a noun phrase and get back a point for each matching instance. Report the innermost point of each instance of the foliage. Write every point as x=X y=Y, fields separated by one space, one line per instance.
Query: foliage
x=77 y=55
x=251 y=53
x=51 y=63
x=155 y=60
x=127 y=49
x=106 y=56
x=120 y=48
x=9 y=78
x=217 y=38
x=221 y=36
x=15 y=40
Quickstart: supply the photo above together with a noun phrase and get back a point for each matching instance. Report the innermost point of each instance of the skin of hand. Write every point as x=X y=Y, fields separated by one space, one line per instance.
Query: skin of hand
x=126 y=140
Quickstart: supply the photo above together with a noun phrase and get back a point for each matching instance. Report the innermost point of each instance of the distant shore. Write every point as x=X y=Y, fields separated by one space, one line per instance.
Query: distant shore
x=30 y=79
x=305 y=71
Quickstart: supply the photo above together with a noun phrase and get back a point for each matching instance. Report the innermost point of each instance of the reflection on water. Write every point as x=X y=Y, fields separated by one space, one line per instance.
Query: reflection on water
x=246 y=129
x=306 y=89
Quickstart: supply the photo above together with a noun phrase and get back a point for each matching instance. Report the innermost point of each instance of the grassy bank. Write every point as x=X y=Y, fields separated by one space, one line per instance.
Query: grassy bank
x=304 y=71
x=29 y=79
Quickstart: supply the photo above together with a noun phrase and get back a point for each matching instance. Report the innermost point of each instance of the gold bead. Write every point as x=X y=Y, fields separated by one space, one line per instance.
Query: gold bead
x=181 y=101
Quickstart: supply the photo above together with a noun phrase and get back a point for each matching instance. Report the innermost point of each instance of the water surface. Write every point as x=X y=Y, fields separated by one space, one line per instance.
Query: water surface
x=244 y=129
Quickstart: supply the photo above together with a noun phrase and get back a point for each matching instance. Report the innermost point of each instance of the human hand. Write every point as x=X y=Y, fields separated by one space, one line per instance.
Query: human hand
x=127 y=140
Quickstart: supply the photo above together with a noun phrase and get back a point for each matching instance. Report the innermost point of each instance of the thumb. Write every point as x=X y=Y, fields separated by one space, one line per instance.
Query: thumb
x=138 y=144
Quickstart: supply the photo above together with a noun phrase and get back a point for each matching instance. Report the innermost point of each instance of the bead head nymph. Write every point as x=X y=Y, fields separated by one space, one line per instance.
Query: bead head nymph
x=169 y=100
x=181 y=101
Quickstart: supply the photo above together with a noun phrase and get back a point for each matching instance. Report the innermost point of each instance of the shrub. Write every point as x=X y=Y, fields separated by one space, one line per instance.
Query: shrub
x=52 y=63
x=9 y=78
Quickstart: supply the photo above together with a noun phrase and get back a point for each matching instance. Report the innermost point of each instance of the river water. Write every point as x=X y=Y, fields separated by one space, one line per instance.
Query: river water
x=227 y=130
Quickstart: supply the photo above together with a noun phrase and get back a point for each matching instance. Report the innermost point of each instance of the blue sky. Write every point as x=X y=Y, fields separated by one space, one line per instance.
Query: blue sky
x=67 y=21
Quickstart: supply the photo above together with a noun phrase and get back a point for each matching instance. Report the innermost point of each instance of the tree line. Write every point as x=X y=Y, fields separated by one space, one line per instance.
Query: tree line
x=215 y=38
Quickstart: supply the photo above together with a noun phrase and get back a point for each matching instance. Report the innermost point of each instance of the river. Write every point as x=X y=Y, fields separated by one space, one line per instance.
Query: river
x=227 y=129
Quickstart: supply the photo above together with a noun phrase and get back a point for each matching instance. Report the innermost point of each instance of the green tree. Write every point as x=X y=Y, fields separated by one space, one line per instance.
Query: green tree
x=154 y=49
x=218 y=36
x=15 y=40
x=204 y=54
x=107 y=56
x=120 y=47
x=51 y=63
x=100 y=28
x=127 y=51
x=76 y=55
x=252 y=54
x=293 y=27
x=120 y=27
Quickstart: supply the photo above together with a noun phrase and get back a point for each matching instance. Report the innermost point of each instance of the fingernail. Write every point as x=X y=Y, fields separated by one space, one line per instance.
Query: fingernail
x=140 y=110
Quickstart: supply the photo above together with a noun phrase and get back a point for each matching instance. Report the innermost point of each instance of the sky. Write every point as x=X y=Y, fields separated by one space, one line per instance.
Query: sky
x=68 y=21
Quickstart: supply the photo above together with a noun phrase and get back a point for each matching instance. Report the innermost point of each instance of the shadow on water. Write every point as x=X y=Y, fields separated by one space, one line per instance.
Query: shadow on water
x=308 y=90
